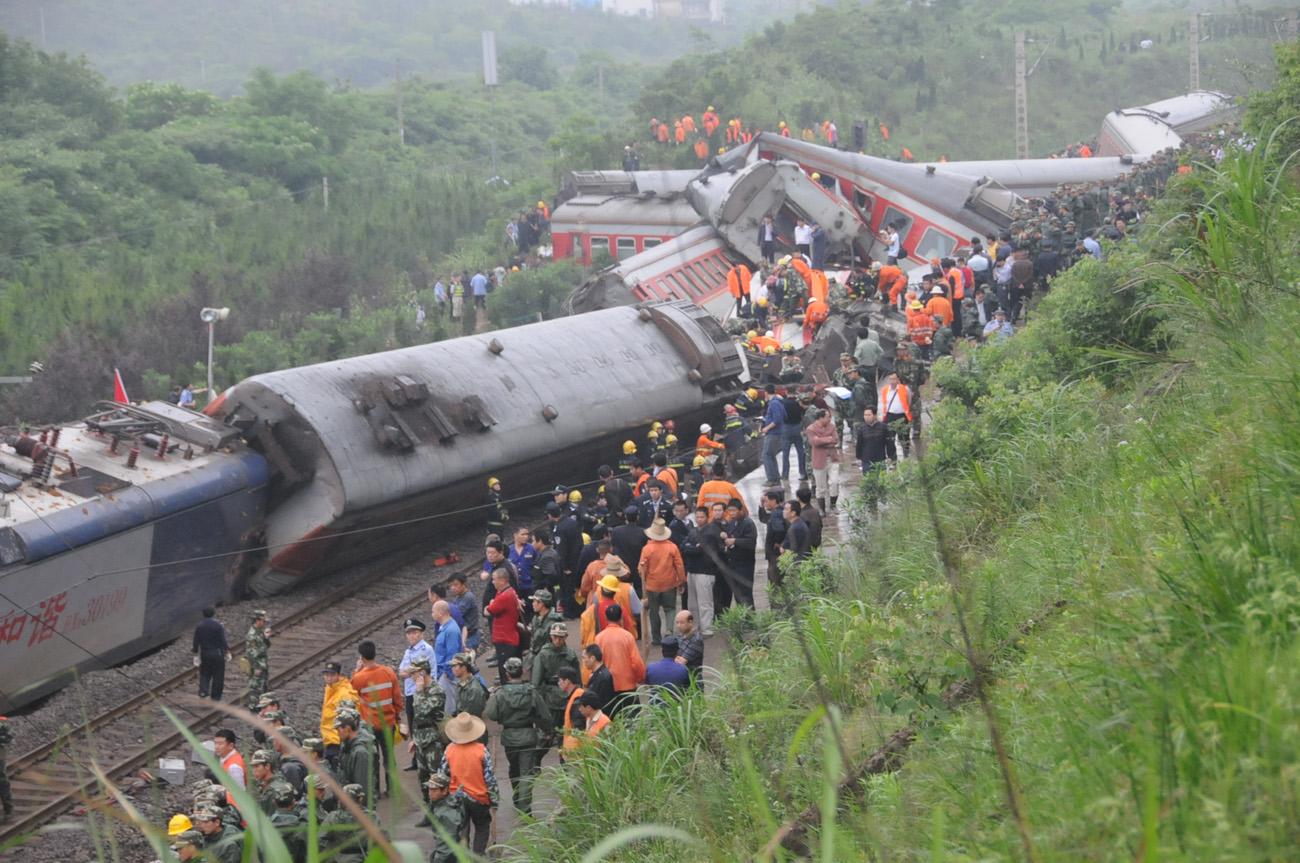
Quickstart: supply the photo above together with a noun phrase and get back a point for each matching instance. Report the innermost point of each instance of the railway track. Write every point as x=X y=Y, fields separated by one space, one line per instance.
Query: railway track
x=53 y=778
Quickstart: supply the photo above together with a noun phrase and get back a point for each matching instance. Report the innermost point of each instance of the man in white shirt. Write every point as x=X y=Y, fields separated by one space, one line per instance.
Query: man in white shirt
x=1094 y=248
x=803 y=238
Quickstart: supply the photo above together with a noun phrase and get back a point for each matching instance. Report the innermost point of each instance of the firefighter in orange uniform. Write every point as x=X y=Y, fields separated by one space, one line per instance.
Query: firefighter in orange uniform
x=738 y=279
x=920 y=328
x=802 y=268
x=785 y=130
x=814 y=316
x=679 y=133
x=820 y=287
x=710 y=121
x=938 y=305
x=688 y=123
x=892 y=282
x=661 y=134
x=701 y=149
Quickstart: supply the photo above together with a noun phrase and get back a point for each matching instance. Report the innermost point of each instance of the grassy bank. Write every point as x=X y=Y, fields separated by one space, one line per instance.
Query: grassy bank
x=1117 y=492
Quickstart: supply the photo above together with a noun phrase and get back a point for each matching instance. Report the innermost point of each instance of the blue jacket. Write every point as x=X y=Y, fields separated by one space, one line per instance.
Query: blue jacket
x=774 y=416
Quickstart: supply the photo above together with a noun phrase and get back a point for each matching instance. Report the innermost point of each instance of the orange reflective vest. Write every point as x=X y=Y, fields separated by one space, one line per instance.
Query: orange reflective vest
x=887 y=395
x=738 y=279
x=956 y=284
x=688 y=123
x=701 y=149
x=571 y=741
x=820 y=287
x=679 y=132
x=662 y=133
x=761 y=343
x=705 y=445
x=920 y=327
x=816 y=313
x=892 y=282
x=939 y=305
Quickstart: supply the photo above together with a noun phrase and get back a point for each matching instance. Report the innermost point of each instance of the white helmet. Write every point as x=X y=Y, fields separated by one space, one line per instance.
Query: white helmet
x=706 y=428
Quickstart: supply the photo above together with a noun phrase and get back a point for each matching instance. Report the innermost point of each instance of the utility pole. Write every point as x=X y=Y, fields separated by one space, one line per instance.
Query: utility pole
x=325 y=192
x=1022 y=99
x=401 y=122
x=1194 y=51
x=490 y=81
x=600 y=83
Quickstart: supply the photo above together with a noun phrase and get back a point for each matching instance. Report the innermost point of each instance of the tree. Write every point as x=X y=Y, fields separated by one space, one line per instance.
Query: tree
x=529 y=64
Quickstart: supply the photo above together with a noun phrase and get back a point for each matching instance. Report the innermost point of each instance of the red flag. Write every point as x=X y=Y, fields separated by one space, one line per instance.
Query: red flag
x=119 y=389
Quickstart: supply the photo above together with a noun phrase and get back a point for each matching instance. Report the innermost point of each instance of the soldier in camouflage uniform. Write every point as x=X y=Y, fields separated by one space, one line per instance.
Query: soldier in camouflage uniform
x=429 y=711
x=526 y=728
x=448 y=812
x=357 y=760
x=843 y=408
x=342 y=832
x=257 y=656
x=547 y=663
x=912 y=372
x=286 y=821
x=319 y=791
x=269 y=783
x=6 y=793
x=471 y=693
x=544 y=615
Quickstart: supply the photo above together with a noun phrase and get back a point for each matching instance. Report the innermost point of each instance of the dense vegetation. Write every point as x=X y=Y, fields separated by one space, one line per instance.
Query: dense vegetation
x=1113 y=526
x=940 y=75
x=121 y=216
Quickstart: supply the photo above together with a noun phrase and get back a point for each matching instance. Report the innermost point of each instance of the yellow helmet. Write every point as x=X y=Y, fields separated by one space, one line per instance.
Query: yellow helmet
x=541 y=203
x=781 y=125
x=656 y=425
x=752 y=334
x=493 y=481
x=629 y=448
x=586 y=537
x=752 y=393
x=770 y=350
x=575 y=496
x=653 y=434
x=816 y=176
x=178 y=824
x=600 y=490
x=762 y=302
x=698 y=462
x=788 y=346
x=710 y=108
x=670 y=440
x=784 y=260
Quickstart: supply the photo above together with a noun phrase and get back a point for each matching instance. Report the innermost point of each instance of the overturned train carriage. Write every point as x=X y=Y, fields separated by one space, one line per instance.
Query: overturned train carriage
x=377 y=451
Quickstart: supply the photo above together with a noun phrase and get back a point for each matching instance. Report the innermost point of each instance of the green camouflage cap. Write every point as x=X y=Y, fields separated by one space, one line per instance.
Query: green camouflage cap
x=317 y=781
x=285 y=795
x=260 y=614
x=464 y=659
x=421 y=664
x=261 y=756
x=356 y=792
x=206 y=813
x=347 y=704
x=290 y=732
x=274 y=716
x=543 y=595
x=347 y=716
x=559 y=629
x=314 y=744
x=267 y=699
x=188 y=837
x=438 y=780
x=514 y=666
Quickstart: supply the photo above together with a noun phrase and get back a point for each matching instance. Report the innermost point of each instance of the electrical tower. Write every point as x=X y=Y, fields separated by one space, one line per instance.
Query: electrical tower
x=1194 y=52
x=1022 y=99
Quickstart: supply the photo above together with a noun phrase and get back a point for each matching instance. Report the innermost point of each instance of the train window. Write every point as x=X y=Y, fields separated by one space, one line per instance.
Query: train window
x=626 y=247
x=695 y=288
x=598 y=245
x=710 y=268
x=935 y=244
x=651 y=242
x=893 y=214
x=862 y=200
x=676 y=287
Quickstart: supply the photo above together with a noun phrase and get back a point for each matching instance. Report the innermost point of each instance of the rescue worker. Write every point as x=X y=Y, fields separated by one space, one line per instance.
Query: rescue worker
x=187 y=845
x=629 y=453
x=287 y=823
x=705 y=445
x=939 y=306
x=497 y=513
x=814 y=315
x=337 y=688
x=471 y=691
x=468 y=764
x=701 y=148
x=526 y=728
x=544 y=617
x=347 y=842
x=710 y=121
x=357 y=758
x=548 y=662
x=920 y=327
x=428 y=711
x=256 y=659
x=896 y=409
x=446 y=811
x=220 y=843
x=738 y=279
x=267 y=783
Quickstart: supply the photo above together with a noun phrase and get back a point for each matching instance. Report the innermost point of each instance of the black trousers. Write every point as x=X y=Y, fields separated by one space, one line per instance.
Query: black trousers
x=480 y=819
x=212 y=676
x=505 y=651
x=769 y=251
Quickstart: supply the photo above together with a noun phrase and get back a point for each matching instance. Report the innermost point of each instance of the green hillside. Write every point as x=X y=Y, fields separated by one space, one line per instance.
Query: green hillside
x=1072 y=634
x=940 y=75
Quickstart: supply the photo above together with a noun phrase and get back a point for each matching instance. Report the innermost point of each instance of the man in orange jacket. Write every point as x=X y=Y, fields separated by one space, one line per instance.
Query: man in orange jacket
x=920 y=328
x=814 y=315
x=664 y=575
x=702 y=149
x=621 y=656
x=738 y=279
x=891 y=282
x=938 y=305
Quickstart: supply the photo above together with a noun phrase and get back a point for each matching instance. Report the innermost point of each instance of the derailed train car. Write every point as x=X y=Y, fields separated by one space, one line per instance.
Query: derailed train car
x=408 y=437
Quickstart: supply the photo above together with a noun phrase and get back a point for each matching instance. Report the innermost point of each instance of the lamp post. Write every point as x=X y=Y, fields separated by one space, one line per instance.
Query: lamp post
x=210 y=317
